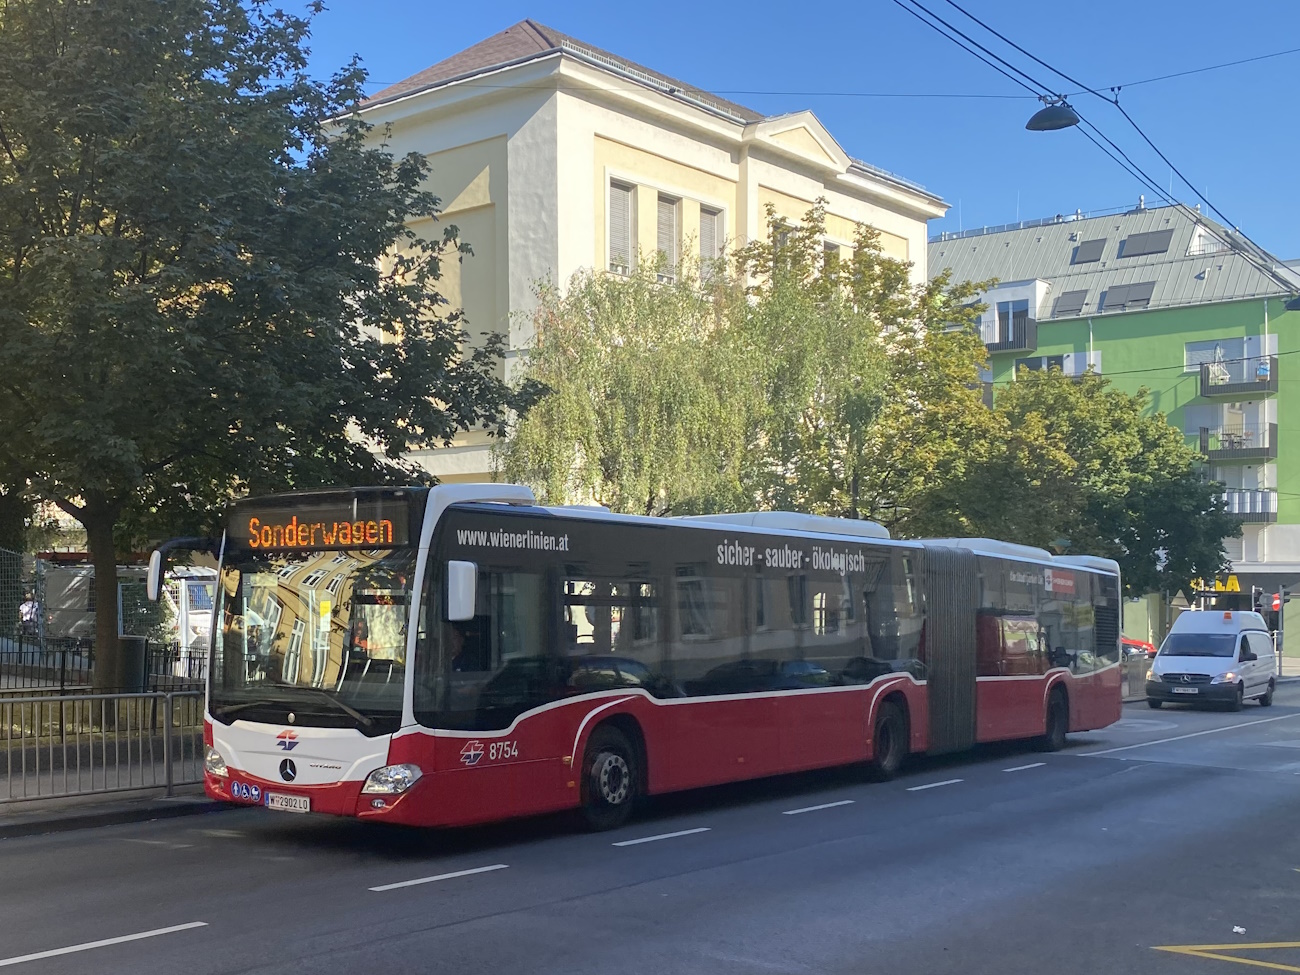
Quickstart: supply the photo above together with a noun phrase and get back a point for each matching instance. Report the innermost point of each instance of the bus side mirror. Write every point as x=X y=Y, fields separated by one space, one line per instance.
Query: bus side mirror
x=158 y=560
x=462 y=578
x=154 y=580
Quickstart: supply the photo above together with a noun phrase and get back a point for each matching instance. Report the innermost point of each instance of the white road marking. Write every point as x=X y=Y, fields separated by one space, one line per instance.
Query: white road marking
x=934 y=785
x=1023 y=768
x=1194 y=734
x=664 y=836
x=824 y=805
x=441 y=876
x=72 y=949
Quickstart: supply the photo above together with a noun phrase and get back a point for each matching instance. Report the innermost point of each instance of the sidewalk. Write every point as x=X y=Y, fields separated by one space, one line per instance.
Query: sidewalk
x=35 y=816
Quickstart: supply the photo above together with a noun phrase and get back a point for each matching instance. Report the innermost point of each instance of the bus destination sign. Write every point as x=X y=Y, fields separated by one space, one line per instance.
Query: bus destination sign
x=350 y=524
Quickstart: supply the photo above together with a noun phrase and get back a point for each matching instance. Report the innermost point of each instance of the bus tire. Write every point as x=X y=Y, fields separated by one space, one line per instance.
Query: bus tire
x=889 y=742
x=610 y=779
x=1058 y=721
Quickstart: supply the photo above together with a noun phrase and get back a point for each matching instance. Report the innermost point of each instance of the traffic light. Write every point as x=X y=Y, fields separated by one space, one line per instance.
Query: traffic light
x=1257 y=598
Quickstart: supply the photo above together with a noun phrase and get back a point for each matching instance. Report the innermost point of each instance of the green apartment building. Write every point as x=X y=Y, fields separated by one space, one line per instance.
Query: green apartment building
x=1167 y=299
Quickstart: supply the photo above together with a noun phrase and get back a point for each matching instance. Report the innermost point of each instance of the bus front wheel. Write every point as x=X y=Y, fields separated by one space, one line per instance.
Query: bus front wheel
x=609 y=779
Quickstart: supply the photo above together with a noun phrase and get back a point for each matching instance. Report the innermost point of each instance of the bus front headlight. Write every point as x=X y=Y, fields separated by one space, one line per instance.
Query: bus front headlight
x=214 y=763
x=391 y=780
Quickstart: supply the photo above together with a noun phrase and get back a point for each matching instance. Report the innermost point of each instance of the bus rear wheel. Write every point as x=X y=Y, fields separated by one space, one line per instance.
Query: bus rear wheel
x=610 y=779
x=1058 y=722
x=889 y=743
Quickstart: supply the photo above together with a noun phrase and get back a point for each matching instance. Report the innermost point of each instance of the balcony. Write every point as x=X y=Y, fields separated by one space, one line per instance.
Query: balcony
x=1248 y=442
x=1252 y=505
x=1017 y=335
x=1251 y=378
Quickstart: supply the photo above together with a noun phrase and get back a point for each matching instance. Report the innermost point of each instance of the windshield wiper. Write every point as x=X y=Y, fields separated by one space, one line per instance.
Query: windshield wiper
x=226 y=709
x=365 y=720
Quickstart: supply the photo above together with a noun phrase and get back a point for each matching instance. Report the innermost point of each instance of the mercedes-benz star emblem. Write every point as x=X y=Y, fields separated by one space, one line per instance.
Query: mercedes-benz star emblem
x=1187 y=678
x=288 y=771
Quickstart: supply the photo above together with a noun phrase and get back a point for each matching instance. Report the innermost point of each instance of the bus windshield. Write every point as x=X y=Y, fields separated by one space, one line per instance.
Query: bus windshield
x=319 y=634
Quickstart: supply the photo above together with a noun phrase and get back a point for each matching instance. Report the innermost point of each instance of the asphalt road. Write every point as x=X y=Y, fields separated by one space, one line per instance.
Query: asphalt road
x=1170 y=829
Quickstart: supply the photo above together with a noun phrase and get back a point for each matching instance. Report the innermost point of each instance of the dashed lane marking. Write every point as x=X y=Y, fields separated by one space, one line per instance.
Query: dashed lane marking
x=663 y=836
x=934 y=785
x=1025 y=768
x=87 y=946
x=1194 y=734
x=1216 y=952
x=441 y=876
x=824 y=805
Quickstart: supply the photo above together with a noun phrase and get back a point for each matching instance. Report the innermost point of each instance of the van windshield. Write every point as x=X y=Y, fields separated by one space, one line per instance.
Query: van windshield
x=1199 y=645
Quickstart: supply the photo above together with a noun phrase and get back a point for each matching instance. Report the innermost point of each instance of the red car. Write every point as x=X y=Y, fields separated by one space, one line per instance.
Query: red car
x=1132 y=647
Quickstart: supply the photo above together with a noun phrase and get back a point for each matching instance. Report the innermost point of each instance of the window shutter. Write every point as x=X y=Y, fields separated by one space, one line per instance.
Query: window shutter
x=620 y=227
x=708 y=233
x=667 y=229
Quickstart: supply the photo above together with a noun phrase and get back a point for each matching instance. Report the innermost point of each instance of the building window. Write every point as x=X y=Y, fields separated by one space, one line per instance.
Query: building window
x=1069 y=304
x=1151 y=242
x=711 y=233
x=1221 y=352
x=1088 y=252
x=1013 y=317
x=666 y=236
x=830 y=255
x=1127 y=297
x=621 y=227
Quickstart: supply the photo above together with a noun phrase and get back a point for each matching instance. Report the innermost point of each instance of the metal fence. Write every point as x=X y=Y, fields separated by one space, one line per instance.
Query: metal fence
x=67 y=666
x=82 y=744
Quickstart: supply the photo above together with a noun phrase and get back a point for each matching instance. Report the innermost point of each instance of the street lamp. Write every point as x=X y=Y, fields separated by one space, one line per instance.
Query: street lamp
x=1055 y=114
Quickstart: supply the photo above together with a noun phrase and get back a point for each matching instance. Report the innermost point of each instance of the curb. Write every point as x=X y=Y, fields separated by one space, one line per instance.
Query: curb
x=118 y=814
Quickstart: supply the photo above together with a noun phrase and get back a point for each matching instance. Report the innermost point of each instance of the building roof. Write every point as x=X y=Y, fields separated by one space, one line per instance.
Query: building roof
x=527 y=40
x=1120 y=260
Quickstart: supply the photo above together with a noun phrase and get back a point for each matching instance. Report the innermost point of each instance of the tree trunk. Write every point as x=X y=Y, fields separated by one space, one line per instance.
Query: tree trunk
x=98 y=520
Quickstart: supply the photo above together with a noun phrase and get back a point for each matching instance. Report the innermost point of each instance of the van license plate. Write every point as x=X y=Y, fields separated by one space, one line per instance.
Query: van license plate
x=1187 y=690
x=295 y=804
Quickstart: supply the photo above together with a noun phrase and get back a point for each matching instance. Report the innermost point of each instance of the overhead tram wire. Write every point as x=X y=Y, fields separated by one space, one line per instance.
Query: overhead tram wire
x=1259 y=265
x=1043 y=89
x=968 y=50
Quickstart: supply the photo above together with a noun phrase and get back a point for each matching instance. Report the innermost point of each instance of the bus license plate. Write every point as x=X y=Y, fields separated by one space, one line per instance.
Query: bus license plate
x=295 y=804
x=1187 y=690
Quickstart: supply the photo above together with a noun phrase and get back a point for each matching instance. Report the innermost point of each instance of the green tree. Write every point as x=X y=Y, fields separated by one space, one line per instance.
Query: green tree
x=1088 y=468
x=873 y=401
x=786 y=379
x=207 y=280
x=646 y=398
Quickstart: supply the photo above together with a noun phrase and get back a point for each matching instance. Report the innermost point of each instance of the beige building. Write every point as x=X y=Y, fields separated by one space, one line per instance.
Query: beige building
x=552 y=156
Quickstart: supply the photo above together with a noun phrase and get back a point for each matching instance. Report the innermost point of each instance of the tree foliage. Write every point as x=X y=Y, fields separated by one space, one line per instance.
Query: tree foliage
x=785 y=378
x=1085 y=467
x=792 y=380
x=207 y=279
x=645 y=406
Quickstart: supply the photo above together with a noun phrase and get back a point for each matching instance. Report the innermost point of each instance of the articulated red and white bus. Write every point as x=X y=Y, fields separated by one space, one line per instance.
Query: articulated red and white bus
x=453 y=655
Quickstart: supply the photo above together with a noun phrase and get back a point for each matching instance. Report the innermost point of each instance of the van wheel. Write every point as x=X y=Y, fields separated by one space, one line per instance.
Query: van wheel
x=1058 y=722
x=609 y=779
x=889 y=742
x=1266 y=700
x=1238 y=699
x=1154 y=704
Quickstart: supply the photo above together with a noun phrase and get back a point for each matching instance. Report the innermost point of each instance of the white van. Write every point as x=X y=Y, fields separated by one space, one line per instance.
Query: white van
x=1214 y=657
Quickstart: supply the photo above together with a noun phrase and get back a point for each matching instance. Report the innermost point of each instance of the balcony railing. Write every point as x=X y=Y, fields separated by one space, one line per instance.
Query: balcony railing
x=1014 y=337
x=1252 y=377
x=1252 y=505
x=1247 y=442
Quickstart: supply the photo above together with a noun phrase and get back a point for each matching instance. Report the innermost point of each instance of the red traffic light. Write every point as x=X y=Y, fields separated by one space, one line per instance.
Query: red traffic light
x=1277 y=601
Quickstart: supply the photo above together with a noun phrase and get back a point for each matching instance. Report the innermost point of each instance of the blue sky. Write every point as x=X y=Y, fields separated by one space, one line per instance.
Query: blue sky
x=1232 y=132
